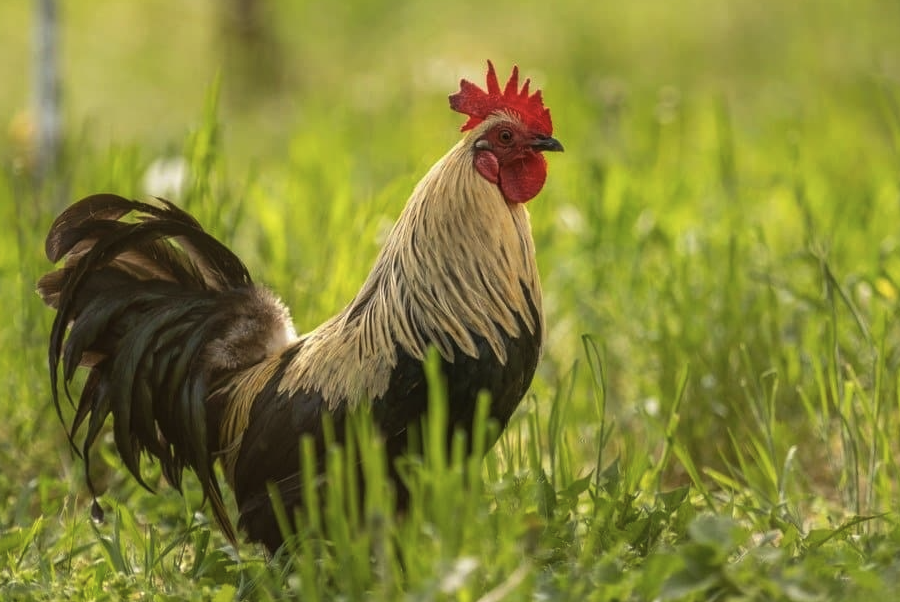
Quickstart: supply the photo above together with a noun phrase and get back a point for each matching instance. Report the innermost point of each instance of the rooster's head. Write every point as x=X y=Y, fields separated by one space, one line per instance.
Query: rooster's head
x=509 y=131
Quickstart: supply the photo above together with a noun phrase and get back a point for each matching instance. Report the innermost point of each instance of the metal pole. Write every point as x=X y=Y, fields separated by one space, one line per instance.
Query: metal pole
x=47 y=88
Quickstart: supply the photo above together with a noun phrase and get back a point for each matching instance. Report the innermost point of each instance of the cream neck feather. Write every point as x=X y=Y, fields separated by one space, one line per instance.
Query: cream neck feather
x=459 y=260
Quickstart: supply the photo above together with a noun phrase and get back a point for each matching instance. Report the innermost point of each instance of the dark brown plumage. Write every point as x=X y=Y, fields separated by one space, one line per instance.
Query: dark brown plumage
x=195 y=362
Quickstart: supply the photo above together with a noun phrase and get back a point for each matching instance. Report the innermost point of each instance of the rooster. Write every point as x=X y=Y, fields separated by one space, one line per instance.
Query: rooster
x=197 y=363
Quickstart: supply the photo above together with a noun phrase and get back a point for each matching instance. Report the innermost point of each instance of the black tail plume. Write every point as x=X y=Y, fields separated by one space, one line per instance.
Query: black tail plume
x=139 y=303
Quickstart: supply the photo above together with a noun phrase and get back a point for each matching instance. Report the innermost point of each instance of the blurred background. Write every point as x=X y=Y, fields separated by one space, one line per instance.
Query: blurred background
x=140 y=70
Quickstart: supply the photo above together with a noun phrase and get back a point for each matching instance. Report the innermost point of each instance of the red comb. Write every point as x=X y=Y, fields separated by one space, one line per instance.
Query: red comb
x=479 y=105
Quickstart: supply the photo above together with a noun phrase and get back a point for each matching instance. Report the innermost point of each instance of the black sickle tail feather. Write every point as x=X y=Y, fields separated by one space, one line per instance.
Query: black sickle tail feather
x=141 y=300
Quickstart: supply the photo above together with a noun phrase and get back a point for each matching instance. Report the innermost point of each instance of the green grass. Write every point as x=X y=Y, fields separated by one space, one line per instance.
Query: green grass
x=717 y=411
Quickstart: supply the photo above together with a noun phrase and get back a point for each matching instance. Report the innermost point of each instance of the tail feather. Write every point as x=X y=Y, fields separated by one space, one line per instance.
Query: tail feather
x=158 y=311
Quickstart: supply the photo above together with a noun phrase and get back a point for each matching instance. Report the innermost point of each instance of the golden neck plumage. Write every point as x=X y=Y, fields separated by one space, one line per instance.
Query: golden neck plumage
x=459 y=260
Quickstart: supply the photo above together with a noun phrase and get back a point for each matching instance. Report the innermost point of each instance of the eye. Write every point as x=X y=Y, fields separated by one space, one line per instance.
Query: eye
x=505 y=136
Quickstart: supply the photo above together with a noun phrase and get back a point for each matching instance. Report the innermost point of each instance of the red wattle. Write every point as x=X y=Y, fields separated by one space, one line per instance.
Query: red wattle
x=521 y=180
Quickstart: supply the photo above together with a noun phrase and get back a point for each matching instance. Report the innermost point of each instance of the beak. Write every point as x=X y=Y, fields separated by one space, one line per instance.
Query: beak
x=546 y=143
